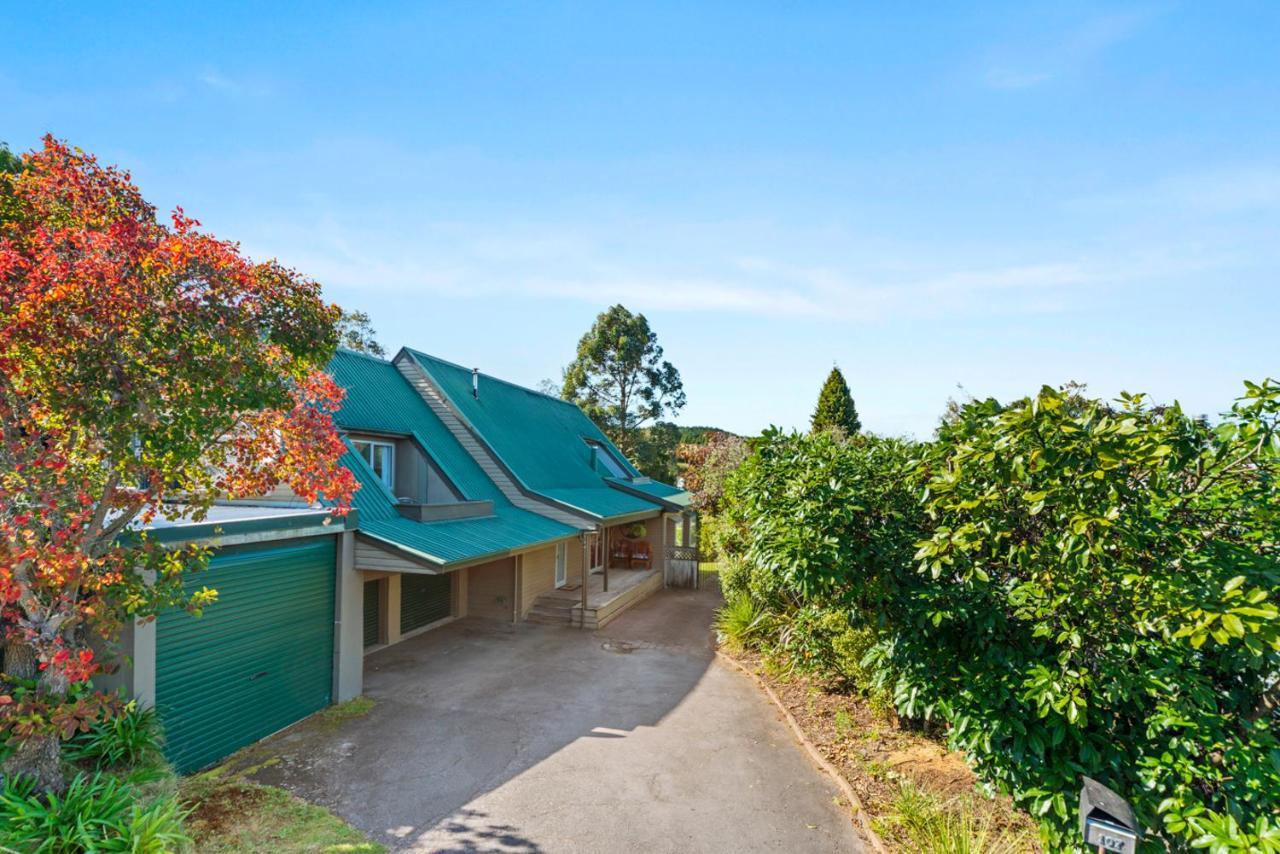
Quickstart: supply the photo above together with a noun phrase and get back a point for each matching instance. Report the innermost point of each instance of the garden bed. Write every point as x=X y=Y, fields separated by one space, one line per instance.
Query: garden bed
x=916 y=793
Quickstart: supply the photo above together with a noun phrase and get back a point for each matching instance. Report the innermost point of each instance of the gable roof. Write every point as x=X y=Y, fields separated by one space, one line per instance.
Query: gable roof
x=545 y=443
x=380 y=400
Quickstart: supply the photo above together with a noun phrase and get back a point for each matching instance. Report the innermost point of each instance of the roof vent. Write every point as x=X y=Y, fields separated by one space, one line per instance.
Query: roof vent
x=475 y=383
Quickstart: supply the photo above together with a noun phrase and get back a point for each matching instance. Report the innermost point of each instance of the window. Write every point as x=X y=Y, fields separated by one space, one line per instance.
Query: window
x=608 y=461
x=381 y=457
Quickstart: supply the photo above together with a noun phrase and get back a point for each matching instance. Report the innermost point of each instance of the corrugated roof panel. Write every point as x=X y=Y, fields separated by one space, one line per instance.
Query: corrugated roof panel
x=542 y=439
x=379 y=399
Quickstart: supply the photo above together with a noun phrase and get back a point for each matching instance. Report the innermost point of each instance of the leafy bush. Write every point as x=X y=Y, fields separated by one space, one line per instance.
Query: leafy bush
x=98 y=813
x=1074 y=587
x=131 y=736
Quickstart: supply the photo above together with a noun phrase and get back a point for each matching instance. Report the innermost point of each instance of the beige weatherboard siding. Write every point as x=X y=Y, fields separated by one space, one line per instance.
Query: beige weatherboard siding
x=537 y=575
x=369 y=556
x=491 y=589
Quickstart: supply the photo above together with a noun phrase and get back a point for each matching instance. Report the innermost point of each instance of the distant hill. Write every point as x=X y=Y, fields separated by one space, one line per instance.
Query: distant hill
x=696 y=435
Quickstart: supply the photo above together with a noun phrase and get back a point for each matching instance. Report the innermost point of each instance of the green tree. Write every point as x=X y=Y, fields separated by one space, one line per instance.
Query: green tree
x=835 y=406
x=9 y=162
x=147 y=371
x=621 y=381
x=355 y=332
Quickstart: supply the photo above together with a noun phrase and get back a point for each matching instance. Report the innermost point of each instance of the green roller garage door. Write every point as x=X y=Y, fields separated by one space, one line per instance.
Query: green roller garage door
x=259 y=659
x=372 y=604
x=423 y=599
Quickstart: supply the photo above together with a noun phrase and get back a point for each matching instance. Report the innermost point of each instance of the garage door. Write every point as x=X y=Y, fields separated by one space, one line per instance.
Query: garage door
x=423 y=599
x=259 y=659
x=372 y=605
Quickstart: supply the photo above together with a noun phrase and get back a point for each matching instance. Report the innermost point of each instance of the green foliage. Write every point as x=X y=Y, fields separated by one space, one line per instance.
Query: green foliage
x=1072 y=587
x=697 y=434
x=355 y=332
x=131 y=736
x=835 y=410
x=621 y=381
x=9 y=162
x=653 y=451
x=98 y=812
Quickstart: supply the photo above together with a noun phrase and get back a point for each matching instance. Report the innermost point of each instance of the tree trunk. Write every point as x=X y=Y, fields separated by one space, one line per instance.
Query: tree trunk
x=38 y=757
x=20 y=661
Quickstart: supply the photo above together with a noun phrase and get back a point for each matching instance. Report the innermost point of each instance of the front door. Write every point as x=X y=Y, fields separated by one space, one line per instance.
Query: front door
x=562 y=555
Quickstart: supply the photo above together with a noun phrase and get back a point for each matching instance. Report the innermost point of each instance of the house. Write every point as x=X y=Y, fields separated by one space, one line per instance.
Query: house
x=483 y=498
x=478 y=499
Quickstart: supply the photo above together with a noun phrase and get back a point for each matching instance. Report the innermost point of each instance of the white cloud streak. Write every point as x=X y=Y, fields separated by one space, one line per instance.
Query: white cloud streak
x=1030 y=65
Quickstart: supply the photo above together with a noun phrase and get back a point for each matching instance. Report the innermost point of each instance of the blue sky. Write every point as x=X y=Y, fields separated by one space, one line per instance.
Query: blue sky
x=996 y=197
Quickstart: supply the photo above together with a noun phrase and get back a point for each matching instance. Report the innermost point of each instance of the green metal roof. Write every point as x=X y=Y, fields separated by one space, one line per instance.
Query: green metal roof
x=543 y=441
x=379 y=399
x=662 y=491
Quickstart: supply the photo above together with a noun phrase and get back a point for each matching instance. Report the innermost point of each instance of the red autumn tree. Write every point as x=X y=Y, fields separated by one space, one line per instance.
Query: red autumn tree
x=146 y=370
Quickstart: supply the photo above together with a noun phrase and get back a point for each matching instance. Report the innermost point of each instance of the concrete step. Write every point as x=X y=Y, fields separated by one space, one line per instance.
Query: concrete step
x=549 y=619
x=551 y=610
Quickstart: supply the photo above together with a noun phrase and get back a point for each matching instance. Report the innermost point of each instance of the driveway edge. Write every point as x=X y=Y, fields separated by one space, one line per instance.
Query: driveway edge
x=863 y=826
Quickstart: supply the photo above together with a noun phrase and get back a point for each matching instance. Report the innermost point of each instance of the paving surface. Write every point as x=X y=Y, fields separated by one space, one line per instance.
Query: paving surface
x=532 y=738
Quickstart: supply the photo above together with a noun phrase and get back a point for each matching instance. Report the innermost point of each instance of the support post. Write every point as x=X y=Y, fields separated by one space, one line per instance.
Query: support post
x=348 y=679
x=604 y=556
x=586 y=575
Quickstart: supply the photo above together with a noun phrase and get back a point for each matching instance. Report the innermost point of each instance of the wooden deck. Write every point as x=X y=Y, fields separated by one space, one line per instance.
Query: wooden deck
x=626 y=587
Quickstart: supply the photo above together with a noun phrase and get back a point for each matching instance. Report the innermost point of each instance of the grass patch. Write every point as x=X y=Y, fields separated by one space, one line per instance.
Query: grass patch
x=336 y=715
x=739 y=622
x=932 y=826
x=231 y=815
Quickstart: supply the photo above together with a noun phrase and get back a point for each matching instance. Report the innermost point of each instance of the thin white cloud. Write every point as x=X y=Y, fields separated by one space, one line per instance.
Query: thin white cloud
x=217 y=81
x=1238 y=189
x=1008 y=78
x=583 y=264
x=1037 y=62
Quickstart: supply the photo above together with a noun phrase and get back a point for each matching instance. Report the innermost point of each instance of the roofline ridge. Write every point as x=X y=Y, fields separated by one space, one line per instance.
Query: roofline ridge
x=363 y=355
x=517 y=385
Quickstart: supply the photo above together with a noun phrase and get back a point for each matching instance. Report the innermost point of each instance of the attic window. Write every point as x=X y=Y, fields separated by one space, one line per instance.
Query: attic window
x=381 y=457
x=602 y=457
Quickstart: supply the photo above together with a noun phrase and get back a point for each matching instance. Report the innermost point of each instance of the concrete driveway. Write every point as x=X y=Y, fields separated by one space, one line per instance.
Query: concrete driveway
x=531 y=738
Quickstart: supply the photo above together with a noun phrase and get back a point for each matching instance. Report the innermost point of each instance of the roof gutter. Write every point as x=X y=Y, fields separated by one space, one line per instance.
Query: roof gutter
x=444 y=566
x=664 y=504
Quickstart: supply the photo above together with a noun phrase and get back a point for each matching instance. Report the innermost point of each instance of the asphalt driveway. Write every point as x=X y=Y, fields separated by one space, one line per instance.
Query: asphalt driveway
x=532 y=738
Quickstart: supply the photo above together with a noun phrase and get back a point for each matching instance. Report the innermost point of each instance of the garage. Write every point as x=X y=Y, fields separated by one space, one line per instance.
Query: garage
x=423 y=600
x=259 y=659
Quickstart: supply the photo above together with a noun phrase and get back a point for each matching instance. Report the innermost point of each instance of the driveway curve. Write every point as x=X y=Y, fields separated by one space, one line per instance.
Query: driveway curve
x=531 y=738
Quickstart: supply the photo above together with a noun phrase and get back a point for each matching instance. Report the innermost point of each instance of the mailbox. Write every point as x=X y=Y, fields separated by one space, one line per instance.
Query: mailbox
x=1106 y=820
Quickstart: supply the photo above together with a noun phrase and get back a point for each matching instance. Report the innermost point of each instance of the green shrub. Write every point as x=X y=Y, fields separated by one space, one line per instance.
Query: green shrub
x=130 y=737
x=1098 y=603
x=1074 y=587
x=735 y=573
x=98 y=813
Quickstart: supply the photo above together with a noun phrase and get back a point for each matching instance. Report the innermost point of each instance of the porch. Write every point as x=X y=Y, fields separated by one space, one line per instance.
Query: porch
x=626 y=587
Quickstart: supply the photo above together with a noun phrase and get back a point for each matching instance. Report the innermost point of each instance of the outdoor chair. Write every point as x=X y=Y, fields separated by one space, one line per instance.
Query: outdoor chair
x=620 y=554
x=640 y=557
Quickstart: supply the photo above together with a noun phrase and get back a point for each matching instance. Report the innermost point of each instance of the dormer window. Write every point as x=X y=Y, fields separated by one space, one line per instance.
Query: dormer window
x=604 y=459
x=381 y=457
